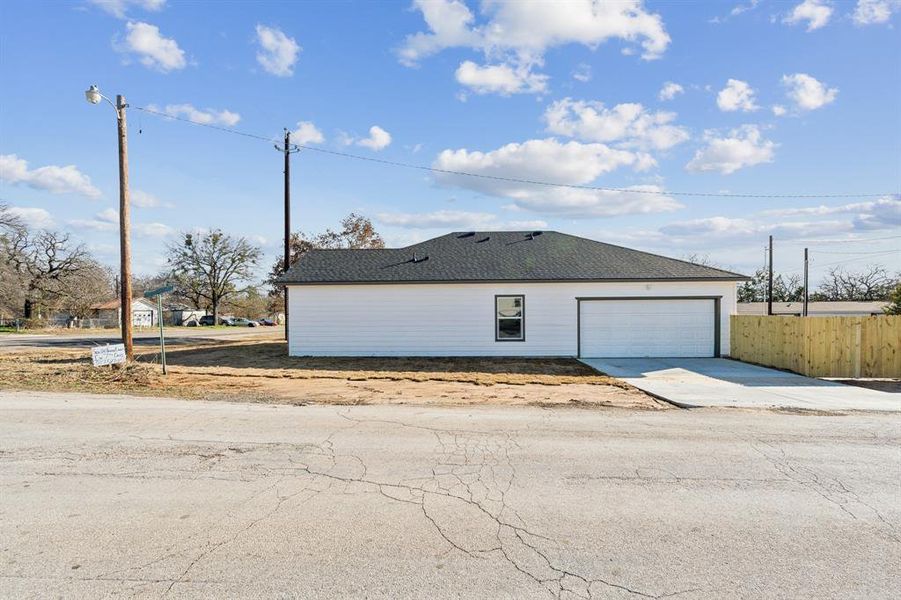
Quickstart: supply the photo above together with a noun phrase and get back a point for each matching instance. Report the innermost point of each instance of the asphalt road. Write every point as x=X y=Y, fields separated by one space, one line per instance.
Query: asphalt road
x=108 y=496
x=149 y=337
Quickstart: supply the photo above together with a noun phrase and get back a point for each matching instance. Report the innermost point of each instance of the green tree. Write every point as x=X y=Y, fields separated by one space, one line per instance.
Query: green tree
x=894 y=307
x=208 y=268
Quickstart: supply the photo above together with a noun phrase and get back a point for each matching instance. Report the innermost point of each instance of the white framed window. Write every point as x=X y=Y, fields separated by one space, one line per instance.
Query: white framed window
x=509 y=318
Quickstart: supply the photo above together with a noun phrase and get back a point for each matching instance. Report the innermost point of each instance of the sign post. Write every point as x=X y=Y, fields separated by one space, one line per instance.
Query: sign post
x=159 y=302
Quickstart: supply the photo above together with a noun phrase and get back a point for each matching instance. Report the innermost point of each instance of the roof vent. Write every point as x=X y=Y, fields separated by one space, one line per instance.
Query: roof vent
x=468 y=234
x=484 y=239
x=419 y=260
x=532 y=235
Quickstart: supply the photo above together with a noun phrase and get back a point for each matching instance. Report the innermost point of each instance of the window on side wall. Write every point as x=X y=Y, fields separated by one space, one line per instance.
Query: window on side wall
x=509 y=318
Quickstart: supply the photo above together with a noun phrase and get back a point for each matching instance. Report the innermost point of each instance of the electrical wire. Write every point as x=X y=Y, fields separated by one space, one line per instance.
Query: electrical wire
x=500 y=178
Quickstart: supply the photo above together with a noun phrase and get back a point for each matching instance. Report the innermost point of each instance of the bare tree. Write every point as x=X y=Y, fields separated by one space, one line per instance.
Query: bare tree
x=44 y=265
x=786 y=288
x=208 y=268
x=9 y=221
x=356 y=232
x=699 y=259
x=872 y=283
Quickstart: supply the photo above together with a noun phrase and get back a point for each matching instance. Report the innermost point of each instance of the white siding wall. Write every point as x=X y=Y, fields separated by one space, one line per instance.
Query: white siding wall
x=457 y=319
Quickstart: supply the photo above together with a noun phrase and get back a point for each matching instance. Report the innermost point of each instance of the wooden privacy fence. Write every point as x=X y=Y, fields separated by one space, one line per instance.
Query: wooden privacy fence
x=820 y=346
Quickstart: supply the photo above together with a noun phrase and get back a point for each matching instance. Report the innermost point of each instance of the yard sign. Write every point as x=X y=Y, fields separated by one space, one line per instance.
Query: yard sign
x=108 y=355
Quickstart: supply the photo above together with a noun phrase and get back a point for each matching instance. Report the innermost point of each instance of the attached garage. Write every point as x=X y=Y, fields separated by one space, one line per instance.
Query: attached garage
x=507 y=293
x=639 y=327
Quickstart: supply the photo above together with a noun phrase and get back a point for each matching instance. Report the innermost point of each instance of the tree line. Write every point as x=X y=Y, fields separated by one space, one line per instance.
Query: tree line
x=873 y=283
x=43 y=272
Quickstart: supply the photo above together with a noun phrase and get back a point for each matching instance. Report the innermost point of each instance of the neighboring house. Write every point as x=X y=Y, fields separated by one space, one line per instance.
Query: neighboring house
x=143 y=313
x=179 y=314
x=539 y=293
x=815 y=309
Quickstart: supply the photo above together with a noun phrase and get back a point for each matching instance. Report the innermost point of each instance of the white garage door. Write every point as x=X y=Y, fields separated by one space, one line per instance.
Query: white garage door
x=645 y=328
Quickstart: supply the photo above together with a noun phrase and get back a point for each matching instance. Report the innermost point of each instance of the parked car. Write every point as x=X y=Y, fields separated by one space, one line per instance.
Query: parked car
x=267 y=322
x=208 y=320
x=242 y=322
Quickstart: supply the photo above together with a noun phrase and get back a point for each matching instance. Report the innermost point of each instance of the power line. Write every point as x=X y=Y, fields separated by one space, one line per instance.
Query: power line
x=845 y=261
x=506 y=179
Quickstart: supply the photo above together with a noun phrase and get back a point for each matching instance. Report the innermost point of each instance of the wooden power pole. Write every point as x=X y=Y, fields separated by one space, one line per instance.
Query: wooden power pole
x=769 y=282
x=287 y=150
x=124 y=231
x=804 y=312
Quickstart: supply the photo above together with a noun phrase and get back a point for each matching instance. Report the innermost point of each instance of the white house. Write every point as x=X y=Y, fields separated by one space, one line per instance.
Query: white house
x=539 y=293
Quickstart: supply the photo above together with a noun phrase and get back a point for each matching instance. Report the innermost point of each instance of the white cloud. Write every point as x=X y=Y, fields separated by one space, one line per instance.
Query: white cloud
x=119 y=8
x=871 y=12
x=779 y=110
x=517 y=35
x=815 y=13
x=502 y=79
x=153 y=50
x=278 y=52
x=210 y=116
x=806 y=92
x=143 y=199
x=571 y=163
x=736 y=10
x=582 y=73
x=52 y=178
x=735 y=230
x=152 y=229
x=460 y=220
x=744 y=147
x=629 y=125
x=737 y=95
x=377 y=140
x=883 y=213
x=306 y=133
x=439 y=219
x=34 y=218
x=105 y=220
x=669 y=91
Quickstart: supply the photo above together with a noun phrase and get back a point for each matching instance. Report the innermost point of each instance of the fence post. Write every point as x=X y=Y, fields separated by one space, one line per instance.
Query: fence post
x=857 y=353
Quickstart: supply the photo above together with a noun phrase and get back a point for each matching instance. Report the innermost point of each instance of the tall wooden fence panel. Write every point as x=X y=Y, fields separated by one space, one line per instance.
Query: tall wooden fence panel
x=820 y=346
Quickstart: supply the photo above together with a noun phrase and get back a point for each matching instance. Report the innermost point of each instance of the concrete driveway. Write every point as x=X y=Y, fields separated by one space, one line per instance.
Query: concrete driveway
x=697 y=382
x=116 y=496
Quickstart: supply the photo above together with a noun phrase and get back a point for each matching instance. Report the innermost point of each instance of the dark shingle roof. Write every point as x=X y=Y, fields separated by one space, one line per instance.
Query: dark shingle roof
x=496 y=256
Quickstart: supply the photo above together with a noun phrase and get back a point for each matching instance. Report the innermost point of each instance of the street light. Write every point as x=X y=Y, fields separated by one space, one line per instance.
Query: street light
x=93 y=96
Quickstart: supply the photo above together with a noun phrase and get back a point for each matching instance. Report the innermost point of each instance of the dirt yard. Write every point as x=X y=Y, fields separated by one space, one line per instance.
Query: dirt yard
x=260 y=370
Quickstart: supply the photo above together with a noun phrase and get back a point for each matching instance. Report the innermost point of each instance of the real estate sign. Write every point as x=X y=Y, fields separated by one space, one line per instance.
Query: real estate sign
x=108 y=355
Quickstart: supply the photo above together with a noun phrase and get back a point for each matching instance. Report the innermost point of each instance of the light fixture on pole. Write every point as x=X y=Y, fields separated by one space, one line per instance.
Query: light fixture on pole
x=93 y=96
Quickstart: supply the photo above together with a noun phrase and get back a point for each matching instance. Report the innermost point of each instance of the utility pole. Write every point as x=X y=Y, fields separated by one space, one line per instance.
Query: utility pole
x=804 y=312
x=769 y=282
x=287 y=150
x=124 y=230
x=93 y=96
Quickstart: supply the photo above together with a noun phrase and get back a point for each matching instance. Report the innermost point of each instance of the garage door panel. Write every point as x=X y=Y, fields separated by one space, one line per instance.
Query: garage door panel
x=647 y=328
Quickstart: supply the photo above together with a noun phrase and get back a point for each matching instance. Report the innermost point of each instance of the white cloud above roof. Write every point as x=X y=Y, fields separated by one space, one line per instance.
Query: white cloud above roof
x=278 y=52
x=812 y=13
x=152 y=49
x=742 y=147
x=737 y=95
x=51 y=178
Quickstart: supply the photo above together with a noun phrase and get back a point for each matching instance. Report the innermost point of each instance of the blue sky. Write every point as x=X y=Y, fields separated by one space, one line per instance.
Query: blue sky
x=768 y=98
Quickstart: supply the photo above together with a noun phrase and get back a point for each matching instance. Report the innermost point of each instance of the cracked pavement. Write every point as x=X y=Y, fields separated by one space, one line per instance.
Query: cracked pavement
x=116 y=496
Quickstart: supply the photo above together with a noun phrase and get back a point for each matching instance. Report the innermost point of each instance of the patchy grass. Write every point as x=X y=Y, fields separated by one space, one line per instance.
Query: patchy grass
x=261 y=371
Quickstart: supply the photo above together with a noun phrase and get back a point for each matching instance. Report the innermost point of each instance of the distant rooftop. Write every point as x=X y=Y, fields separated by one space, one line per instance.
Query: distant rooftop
x=497 y=256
